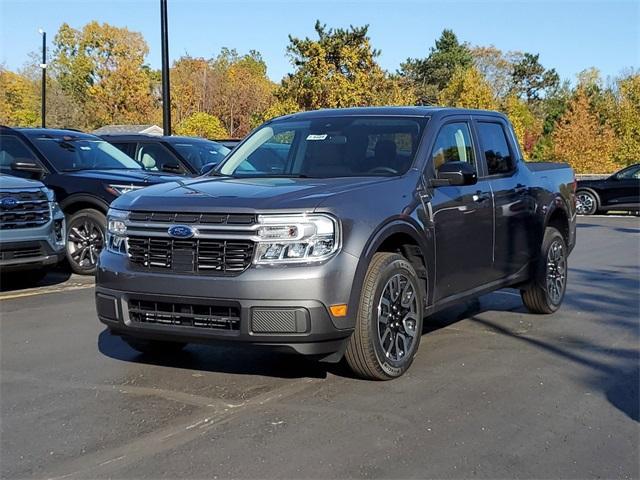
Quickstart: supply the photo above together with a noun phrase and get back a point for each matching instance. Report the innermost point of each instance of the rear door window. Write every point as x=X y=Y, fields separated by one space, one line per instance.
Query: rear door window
x=155 y=156
x=495 y=147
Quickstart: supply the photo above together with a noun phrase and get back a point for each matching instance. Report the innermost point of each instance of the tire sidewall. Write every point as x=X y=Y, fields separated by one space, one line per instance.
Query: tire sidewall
x=551 y=235
x=94 y=216
x=389 y=367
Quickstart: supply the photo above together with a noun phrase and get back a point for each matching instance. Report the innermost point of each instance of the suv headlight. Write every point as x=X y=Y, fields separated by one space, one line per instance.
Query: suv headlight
x=300 y=238
x=116 y=231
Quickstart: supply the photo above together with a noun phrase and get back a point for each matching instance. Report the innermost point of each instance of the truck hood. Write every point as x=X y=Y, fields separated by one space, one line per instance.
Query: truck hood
x=9 y=181
x=240 y=195
x=135 y=177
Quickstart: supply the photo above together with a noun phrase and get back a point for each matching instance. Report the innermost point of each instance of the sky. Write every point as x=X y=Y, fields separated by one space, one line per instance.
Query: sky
x=570 y=36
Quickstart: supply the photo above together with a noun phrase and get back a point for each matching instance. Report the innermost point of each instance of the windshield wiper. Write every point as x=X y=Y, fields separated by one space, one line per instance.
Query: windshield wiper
x=278 y=175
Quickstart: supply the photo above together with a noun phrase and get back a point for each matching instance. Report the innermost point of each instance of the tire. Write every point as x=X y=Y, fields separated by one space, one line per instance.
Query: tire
x=546 y=291
x=374 y=350
x=154 y=347
x=86 y=234
x=587 y=202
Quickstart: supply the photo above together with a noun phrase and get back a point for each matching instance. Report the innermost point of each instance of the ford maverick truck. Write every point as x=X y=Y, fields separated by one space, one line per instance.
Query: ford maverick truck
x=335 y=233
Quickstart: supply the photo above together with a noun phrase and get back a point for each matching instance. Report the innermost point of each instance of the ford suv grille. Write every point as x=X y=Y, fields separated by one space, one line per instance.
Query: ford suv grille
x=26 y=209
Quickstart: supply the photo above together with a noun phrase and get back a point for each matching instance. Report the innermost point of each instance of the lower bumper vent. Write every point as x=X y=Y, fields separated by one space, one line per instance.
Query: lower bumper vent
x=216 y=317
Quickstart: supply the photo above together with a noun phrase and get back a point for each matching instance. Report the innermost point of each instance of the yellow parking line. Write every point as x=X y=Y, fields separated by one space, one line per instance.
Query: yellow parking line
x=33 y=293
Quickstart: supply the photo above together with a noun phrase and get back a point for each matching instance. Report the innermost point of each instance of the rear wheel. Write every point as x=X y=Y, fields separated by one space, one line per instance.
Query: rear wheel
x=153 y=347
x=546 y=291
x=586 y=203
x=389 y=319
x=85 y=239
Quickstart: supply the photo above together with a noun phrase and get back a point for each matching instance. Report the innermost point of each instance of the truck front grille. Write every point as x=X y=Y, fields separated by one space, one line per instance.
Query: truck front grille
x=216 y=317
x=199 y=256
x=25 y=209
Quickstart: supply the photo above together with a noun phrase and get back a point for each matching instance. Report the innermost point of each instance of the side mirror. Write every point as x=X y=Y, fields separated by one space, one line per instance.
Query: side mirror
x=30 y=167
x=171 y=168
x=207 y=167
x=456 y=173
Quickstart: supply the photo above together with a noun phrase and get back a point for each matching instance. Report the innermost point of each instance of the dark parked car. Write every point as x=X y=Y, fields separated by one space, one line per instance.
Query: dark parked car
x=334 y=232
x=171 y=154
x=620 y=191
x=85 y=173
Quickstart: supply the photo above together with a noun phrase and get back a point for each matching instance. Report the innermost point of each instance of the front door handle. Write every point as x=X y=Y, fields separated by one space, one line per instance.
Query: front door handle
x=480 y=197
x=520 y=188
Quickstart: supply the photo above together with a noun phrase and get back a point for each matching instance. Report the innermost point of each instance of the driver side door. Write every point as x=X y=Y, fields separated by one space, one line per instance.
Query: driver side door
x=462 y=217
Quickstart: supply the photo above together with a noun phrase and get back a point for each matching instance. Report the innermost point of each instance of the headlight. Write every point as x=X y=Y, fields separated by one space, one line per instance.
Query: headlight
x=51 y=195
x=116 y=231
x=296 y=238
x=118 y=190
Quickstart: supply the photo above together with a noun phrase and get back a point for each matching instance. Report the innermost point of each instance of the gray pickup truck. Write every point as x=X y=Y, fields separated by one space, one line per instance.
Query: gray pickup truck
x=32 y=228
x=334 y=233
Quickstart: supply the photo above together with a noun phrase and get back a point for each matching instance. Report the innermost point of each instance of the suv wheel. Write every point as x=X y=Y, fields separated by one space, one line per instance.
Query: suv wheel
x=85 y=239
x=389 y=319
x=586 y=203
x=546 y=292
x=153 y=347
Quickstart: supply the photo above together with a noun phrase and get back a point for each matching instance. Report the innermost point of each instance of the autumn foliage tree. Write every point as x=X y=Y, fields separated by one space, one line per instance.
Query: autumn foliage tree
x=468 y=89
x=201 y=124
x=581 y=140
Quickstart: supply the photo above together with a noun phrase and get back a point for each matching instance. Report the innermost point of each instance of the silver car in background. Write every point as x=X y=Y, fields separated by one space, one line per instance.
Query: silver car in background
x=32 y=228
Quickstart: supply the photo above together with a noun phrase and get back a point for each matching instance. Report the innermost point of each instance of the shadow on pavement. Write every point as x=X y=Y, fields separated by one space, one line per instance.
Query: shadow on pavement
x=13 y=281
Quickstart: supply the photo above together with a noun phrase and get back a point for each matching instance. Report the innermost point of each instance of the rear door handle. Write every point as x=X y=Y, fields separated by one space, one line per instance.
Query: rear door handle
x=520 y=188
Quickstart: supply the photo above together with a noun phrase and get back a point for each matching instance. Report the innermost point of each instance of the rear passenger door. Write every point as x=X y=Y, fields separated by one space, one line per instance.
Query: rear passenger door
x=462 y=216
x=515 y=227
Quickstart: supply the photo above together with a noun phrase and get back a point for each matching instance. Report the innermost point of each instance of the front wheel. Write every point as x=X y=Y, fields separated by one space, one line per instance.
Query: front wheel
x=85 y=239
x=546 y=291
x=389 y=319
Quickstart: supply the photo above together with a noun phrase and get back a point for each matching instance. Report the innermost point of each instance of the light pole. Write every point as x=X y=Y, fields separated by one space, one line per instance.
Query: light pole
x=166 y=94
x=43 y=66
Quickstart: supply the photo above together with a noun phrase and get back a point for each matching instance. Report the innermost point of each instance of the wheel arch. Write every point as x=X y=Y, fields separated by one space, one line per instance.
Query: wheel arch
x=398 y=236
x=558 y=218
x=75 y=203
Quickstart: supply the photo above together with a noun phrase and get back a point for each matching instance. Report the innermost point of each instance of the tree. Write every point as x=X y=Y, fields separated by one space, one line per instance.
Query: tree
x=19 y=104
x=531 y=80
x=339 y=69
x=627 y=120
x=102 y=68
x=582 y=141
x=468 y=89
x=201 y=124
x=527 y=127
x=431 y=74
x=496 y=67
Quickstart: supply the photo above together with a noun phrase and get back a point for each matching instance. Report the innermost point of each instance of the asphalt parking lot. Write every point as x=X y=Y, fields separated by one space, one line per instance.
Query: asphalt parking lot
x=494 y=392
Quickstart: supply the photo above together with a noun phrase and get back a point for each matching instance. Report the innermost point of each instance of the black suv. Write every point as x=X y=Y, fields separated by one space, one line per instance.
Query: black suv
x=620 y=191
x=180 y=155
x=85 y=172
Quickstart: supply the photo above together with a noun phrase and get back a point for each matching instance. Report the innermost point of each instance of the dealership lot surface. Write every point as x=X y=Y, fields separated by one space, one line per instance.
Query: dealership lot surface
x=494 y=392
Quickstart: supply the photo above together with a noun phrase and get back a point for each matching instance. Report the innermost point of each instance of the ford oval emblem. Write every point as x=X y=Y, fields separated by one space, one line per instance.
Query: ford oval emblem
x=181 y=231
x=8 y=202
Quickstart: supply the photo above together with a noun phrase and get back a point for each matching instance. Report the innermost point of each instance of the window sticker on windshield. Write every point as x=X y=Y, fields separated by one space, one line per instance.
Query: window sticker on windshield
x=317 y=137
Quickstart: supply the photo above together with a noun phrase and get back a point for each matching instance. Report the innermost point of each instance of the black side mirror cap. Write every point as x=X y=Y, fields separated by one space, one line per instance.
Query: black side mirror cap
x=207 y=167
x=456 y=173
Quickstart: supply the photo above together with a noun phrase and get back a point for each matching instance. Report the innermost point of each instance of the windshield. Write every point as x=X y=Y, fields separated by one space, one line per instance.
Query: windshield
x=68 y=154
x=346 y=146
x=201 y=152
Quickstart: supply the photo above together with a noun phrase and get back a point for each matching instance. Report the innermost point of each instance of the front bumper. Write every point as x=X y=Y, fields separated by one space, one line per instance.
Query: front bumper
x=283 y=308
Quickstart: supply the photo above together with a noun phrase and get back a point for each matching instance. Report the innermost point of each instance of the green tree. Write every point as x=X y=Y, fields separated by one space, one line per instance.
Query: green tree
x=339 y=69
x=468 y=89
x=432 y=74
x=201 y=124
x=496 y=67
x=531 y=80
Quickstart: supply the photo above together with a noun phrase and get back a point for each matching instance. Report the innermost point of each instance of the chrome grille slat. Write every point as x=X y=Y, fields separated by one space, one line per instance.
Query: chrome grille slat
x=31 y=209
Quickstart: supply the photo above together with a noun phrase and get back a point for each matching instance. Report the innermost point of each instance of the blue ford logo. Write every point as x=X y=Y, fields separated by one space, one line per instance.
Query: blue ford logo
x=181 y=231
x=8 y=202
